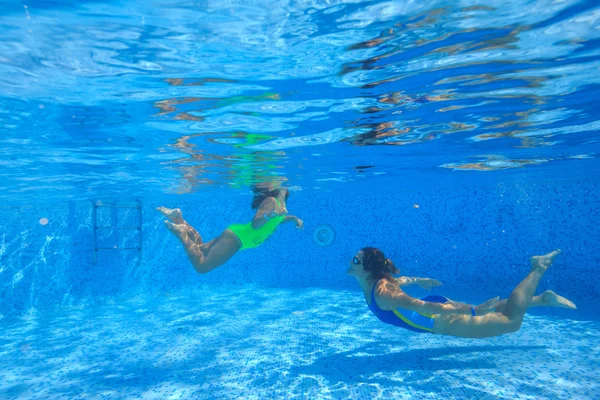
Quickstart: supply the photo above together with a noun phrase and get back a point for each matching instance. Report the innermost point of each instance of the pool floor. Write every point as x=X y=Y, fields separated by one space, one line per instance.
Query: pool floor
x=272 y=343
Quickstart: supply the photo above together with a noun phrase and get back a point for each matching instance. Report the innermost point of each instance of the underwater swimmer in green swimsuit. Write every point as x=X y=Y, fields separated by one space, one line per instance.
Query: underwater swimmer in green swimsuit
x=271 y=212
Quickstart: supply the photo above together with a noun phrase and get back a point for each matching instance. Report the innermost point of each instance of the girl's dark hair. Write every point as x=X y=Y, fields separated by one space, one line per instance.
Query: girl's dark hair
x=377 y=265
x=261 y=194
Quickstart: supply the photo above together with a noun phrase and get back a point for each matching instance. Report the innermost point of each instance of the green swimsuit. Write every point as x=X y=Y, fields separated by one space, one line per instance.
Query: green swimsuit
x=251 y=237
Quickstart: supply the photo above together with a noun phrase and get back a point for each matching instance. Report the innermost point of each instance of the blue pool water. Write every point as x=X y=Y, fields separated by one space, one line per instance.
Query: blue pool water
x=460 y=138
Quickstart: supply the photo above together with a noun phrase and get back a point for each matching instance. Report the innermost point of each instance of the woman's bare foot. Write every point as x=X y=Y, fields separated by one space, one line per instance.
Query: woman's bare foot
x=174 y=214
x=543 y=262
x=551 y=299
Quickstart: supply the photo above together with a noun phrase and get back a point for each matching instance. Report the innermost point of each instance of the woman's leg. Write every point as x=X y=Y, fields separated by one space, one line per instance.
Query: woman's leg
x=521 y=296
x=546 y=299
x=174 y=214
x=207 y=256
x=498 y=323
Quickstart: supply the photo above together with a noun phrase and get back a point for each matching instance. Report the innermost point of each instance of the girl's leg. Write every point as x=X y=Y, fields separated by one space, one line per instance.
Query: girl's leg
x=219 y=250
x=208 y=256
x=496 y=323
x=174 y=214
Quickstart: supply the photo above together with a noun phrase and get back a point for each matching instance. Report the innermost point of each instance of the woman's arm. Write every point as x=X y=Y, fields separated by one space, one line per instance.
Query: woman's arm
x=404 y=301
x=389 y=297
x=425 y=283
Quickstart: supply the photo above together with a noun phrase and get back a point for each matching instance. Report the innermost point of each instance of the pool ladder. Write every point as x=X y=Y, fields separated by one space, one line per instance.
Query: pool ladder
x=114 y=207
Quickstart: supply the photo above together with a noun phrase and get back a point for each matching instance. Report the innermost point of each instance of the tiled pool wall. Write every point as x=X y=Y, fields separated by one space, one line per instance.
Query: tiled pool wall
x=475 y=240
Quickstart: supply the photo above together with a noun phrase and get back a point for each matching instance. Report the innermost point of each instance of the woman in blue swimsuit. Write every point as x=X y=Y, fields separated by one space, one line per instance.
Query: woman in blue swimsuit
x=437 y=314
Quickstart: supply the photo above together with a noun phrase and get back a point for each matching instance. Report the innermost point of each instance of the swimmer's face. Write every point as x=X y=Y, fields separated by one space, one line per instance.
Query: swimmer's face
x=356 y=265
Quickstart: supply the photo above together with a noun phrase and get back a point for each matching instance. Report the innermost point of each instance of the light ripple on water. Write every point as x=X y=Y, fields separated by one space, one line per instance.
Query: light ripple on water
x=381 y=73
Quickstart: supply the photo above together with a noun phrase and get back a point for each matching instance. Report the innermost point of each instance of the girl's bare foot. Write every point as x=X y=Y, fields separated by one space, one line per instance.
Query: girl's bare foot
x=193 y=250
x=178 y=230
x=174 y=214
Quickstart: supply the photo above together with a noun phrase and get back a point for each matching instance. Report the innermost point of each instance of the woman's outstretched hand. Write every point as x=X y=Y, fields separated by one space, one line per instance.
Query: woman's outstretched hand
x=299 y=223
x=428 y=283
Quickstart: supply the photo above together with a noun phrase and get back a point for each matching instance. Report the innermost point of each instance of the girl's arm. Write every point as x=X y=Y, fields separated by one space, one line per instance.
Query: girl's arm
x=292 y=218
x=265 y=212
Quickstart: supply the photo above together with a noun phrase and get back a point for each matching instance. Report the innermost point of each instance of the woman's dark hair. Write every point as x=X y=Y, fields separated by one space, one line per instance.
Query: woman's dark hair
x=377 y=265
x=260 y=194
